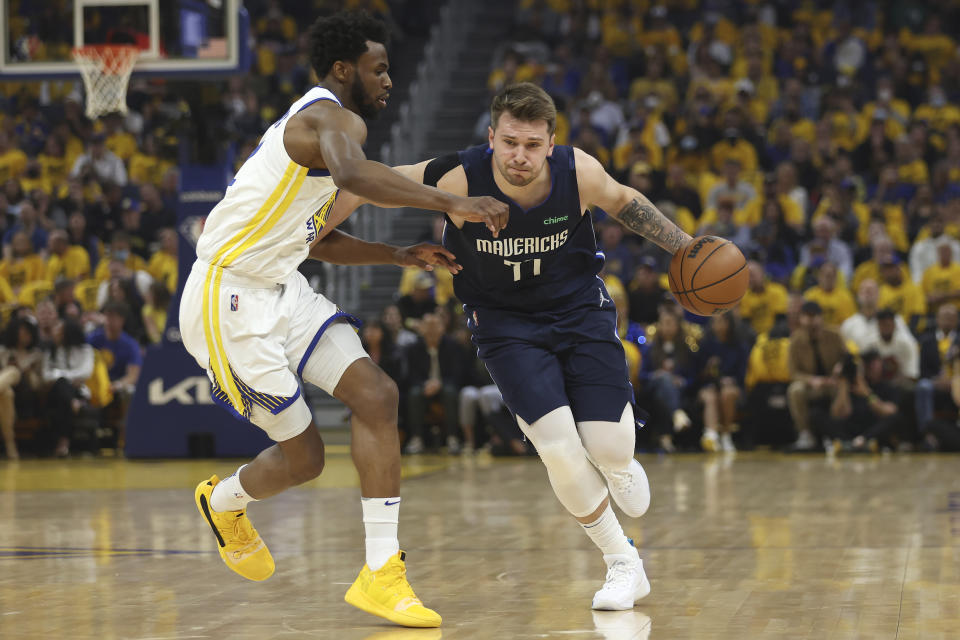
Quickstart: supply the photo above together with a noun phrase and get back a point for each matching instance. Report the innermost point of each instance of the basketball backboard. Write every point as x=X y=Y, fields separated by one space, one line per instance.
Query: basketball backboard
x=176 y=37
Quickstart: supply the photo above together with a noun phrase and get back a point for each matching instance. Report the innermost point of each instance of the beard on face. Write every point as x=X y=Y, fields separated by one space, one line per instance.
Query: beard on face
x=366 y=108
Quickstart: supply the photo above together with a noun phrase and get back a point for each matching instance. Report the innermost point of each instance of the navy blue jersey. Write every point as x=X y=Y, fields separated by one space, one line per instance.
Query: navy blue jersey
x=545 y=258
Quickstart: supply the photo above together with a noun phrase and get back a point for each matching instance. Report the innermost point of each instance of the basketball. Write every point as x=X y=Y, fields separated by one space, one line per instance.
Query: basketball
x=708 y=276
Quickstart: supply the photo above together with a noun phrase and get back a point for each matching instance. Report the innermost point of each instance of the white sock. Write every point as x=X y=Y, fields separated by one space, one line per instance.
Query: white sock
x=380 y=518
x=229 y=494
x=608 y=535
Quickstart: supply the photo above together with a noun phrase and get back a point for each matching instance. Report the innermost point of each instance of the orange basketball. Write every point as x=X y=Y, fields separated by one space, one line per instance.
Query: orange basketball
x=709 y=275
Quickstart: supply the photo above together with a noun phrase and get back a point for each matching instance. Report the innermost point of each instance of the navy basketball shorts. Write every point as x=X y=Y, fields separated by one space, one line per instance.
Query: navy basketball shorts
x=548 y=359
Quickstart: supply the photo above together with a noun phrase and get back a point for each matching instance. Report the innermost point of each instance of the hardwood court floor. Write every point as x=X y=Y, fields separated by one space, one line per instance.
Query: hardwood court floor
x=761 y=546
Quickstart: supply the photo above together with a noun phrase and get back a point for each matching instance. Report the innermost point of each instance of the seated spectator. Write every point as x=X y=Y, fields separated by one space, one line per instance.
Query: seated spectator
x=933 y=387
x=67 y=261
x=766 y=381
x=392 y=322
x=816 y=354
x=900 y=294
x=131 y=223
x=21 y=360
x=154 y=312
x=860 y=329
x=864 y=408
x=645 y=292
x=418 y=302
x=67 y=365
x=163 y=265
x=943 y=434
x=619 y=258
x=881 y=248
x=434 y=374
x=23 y=266
x=80 y=236
x=378 y=343
x=123 y=352
x=791 y=212
x=13 y=161
x=763 y=301
x=722 y=363
x=154 y=212
x=924 y=252
x=832 y=296
x=825 y=244
x=733 y=186
x=100 y=164
x=720 y=223
x=941 y=280
x=28 y=224
x=899 y=350
x=667 y=370
x=120 y=252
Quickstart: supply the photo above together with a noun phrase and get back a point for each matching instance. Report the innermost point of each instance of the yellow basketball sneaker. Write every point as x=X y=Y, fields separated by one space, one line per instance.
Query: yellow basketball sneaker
x=386 y=593
x=240 y=545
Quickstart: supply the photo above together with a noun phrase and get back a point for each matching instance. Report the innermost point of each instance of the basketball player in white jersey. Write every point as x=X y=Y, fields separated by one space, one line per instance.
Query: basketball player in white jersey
x=250 y=319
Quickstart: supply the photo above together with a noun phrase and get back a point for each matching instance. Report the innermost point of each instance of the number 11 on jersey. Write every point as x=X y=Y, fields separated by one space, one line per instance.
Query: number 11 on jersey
x=518 y=268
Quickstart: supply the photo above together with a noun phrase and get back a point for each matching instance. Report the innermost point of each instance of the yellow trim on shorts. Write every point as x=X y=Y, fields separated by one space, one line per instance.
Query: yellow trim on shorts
x=211 y=329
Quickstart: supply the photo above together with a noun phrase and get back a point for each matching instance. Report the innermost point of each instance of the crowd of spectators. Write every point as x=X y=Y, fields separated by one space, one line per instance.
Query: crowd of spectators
x=824 y=140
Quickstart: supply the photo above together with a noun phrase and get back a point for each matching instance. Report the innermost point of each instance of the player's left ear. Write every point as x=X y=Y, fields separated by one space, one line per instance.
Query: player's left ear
x=553 y=140
x=490 y=134
x=343 y=71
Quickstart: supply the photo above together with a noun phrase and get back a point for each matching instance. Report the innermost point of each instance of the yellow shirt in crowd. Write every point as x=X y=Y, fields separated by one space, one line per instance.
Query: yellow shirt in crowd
x=12 y=164
x=133 y=262
x=163 y=267
x=871 y=270
x=74 y=264
x=837 y=305
x=937 y=279
x=907 y=299
x=760 y=309
x=768 y=361
x=20 y=271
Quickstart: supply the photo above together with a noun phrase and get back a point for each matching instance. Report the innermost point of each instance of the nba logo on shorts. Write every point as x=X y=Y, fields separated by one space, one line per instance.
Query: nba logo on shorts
x=234 y=302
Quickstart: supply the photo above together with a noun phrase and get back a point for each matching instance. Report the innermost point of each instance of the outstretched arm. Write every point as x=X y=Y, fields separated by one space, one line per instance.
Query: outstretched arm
x=338 y=247
x=625 y=204
x=325 y=135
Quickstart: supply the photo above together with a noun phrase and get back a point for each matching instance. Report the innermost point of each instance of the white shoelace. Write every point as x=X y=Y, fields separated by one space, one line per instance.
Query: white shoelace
x=619 y=576
x=622 y=481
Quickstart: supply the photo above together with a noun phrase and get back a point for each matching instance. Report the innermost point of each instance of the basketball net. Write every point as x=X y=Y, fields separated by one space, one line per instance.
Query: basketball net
x=106 y=72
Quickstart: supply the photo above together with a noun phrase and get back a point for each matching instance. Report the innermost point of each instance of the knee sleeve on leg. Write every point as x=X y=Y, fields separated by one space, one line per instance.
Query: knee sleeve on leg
x=610 y=446
x=574 y=480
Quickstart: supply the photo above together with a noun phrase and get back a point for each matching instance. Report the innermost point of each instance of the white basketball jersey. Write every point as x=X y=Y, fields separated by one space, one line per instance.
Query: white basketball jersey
x=272 y=210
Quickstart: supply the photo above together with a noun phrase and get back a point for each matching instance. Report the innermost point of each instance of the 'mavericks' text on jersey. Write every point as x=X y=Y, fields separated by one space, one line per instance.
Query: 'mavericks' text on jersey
x=546 y=257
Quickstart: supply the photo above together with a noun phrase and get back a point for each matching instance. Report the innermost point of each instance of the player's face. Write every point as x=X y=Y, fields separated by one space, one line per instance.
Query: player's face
x=371 y=82
x=520 y=149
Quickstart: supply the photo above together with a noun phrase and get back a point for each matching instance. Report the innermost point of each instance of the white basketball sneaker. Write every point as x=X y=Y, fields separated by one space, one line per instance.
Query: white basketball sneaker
x=626 y=583
x=630 y=488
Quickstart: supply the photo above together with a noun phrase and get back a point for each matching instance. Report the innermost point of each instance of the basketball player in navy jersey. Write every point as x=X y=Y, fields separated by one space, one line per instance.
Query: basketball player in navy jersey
x=542 y=319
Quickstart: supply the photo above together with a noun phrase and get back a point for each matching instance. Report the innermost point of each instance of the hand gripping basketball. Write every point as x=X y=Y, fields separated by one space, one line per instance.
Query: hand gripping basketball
x=709 y=275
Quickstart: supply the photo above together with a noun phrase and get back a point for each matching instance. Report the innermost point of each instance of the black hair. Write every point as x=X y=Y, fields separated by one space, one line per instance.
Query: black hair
x=11 y=334
x=343 y=36
x=886 y=314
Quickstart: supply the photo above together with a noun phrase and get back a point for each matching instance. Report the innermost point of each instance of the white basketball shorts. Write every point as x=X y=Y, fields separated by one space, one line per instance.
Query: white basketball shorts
x=257 y=339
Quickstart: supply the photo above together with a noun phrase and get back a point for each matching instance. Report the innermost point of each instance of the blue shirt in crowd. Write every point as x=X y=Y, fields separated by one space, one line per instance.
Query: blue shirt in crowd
x=124 y=349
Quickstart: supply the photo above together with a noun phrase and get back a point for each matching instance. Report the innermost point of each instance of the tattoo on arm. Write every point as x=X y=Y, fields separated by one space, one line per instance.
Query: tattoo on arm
x=647 y=221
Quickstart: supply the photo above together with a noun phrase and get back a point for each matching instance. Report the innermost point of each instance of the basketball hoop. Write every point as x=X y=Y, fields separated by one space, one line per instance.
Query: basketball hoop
x=106 y=70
